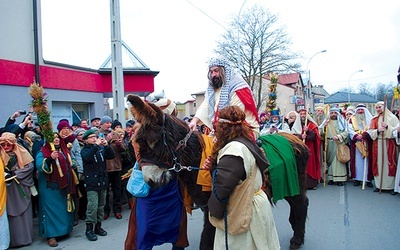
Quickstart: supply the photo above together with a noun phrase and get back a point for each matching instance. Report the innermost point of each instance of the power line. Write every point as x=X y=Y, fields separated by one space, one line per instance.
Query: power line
x=206 y=15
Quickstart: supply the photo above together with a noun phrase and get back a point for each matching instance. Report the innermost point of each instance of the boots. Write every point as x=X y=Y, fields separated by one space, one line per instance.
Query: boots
x=98 y=230
x=76 y=218
x=89 y=232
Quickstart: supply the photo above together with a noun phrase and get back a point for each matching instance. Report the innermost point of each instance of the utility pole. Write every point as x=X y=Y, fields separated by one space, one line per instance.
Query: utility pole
x=117 y=73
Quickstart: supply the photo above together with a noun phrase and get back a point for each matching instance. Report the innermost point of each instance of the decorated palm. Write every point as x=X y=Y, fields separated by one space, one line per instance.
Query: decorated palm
x=272 y=95
x=39 y=106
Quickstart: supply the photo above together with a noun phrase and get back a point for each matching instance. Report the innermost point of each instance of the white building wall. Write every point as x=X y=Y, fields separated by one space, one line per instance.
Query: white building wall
x=17 y=44
x=16 y=30
x=284 y=100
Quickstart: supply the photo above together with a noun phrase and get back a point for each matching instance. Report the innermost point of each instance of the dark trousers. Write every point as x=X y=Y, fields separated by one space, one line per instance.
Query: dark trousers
x=125 y=195
x=82 y=200
x=207 y=235
x=114 y=179
x=297 y=217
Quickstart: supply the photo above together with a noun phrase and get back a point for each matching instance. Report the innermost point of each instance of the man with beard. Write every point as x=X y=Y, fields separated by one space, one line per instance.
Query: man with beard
x=358 y=124
x=336 y=129
x=225 y=88
x=311 y=137
x=275 y=124
x=384 y=146
x=319 y=114
x=319 y=117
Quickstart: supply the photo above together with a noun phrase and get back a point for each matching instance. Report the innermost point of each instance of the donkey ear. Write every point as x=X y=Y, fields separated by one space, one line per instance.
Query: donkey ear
x=142 y=112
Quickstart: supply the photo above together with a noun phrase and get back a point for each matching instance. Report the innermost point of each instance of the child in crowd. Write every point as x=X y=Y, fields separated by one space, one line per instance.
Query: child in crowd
x=94 y=155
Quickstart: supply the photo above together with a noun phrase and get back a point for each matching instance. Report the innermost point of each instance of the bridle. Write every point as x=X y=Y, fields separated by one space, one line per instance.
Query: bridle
x=177 y=166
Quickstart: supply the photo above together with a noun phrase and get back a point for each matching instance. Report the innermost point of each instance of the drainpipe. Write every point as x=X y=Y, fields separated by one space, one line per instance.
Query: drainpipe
x=36 y=41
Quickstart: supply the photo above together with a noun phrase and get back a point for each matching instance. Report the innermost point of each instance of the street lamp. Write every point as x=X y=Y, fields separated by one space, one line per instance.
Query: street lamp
x=308 y=88
x=308 y=71
x=348 y=85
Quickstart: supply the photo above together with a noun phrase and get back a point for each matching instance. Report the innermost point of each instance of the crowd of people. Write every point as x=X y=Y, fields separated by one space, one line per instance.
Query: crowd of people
x=73 y=177
x=62 y=181
x=373 y=142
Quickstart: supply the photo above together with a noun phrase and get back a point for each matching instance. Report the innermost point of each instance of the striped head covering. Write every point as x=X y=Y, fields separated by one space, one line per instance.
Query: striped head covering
x=233 y=82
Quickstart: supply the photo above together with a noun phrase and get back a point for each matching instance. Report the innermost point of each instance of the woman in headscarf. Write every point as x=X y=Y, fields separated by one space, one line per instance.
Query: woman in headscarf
x=235 y=157
x=69 y=138
x=18 y=165
x=56 y=187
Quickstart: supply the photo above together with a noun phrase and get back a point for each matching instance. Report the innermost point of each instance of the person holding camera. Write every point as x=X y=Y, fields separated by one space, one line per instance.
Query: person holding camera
x=18 y=129
x=114 y=168
x=94 y=155
x=275 y=124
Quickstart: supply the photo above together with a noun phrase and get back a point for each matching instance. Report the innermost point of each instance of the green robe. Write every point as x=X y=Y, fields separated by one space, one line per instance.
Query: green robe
x=54 y=219
x=283 y=168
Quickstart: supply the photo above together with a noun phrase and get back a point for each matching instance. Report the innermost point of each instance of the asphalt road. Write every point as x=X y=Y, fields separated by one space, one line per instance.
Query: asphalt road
x=344 y=217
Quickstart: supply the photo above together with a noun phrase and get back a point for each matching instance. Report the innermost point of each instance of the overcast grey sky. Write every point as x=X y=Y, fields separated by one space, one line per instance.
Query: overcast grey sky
x=177 y=39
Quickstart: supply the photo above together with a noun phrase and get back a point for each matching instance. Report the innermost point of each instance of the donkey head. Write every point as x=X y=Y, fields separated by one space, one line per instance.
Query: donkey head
x=157 y=136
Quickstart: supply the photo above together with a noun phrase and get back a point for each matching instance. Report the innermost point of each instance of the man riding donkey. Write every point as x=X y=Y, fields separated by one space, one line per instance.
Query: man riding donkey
x=228 y=88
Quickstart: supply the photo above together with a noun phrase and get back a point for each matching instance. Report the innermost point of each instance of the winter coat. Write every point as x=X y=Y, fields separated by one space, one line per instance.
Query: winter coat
x=94 y=166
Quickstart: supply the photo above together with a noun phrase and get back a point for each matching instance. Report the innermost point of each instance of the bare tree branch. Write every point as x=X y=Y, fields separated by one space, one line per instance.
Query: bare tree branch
x=256 y=45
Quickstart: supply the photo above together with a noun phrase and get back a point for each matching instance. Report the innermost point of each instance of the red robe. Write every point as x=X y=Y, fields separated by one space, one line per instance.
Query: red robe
x=391 y=152
x=313 y=142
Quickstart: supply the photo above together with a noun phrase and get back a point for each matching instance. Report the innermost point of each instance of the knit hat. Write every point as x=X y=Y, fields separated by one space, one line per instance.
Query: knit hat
x=63 y=120
x=105 y=119
x=79 y=130
x=87 y=133
x=116 y=123
x=63 y=124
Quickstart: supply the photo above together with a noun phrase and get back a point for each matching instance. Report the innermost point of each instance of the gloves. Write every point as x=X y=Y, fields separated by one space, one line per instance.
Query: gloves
x=8 y=175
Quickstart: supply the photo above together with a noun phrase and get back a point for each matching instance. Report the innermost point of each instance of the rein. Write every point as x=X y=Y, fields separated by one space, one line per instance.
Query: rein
x=177 y=167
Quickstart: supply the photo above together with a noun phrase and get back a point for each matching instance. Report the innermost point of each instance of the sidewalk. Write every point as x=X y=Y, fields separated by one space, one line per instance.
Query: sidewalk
x=115 y=238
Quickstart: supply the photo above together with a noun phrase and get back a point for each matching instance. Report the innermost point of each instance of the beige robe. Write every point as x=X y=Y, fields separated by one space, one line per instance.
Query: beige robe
x=387 y=181
x=337 y=171
x=262 y=233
